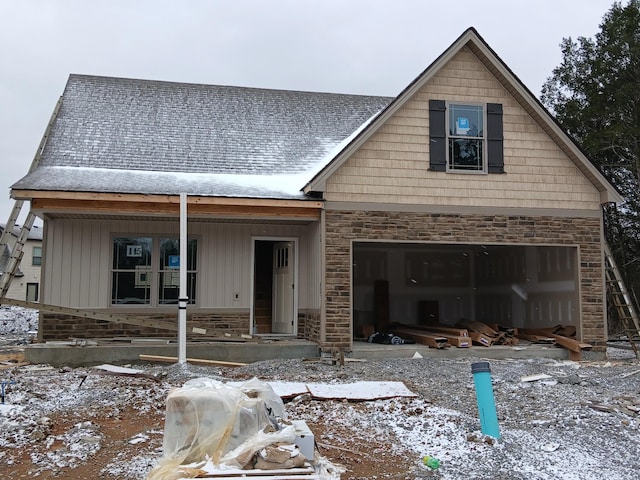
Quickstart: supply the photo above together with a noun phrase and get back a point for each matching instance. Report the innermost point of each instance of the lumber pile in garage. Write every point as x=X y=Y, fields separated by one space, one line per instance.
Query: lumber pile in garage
x=487 y=335
x=467 y=333
x=563 y=336
x=435 y=336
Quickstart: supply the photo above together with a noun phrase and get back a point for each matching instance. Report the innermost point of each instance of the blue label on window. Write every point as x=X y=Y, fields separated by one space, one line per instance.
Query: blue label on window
x=463 y=123
x=174 y=261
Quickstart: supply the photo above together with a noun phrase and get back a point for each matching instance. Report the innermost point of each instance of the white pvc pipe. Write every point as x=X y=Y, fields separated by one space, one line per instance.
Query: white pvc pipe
x=182 y=298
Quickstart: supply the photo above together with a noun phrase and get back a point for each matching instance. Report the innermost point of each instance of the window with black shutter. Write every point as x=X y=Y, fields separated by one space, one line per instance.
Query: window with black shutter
x=465 y=137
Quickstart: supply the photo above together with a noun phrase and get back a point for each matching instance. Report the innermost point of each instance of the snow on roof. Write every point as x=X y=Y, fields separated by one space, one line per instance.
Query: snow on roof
x=140 y=136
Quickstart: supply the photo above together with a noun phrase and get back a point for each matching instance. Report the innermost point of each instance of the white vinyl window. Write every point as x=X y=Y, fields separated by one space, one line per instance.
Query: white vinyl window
x=466 y=138
x=146 y=270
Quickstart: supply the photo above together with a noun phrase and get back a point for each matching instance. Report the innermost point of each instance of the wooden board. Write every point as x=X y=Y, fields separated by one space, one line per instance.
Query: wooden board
x=481 y=339
x=571 y=344
x=6 y=366
x=264 y=475
x=199 y=361
x=12 y=357
x=456 y=340
x=433 y=341
x=452 y=331
x=535 y=338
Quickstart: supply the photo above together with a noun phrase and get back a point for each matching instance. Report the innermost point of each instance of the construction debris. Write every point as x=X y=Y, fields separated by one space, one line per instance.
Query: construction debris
x=535 y=378
x=216 y=430
x=195 y=361
x=107 y=369
x=12 y=359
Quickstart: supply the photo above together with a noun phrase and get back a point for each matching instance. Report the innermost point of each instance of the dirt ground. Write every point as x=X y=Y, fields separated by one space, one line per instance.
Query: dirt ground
x=119 y=425
x=559 y=420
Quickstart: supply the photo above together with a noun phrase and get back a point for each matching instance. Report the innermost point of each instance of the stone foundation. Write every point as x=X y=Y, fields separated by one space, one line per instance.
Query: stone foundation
x=62 y=327
x=309 y=325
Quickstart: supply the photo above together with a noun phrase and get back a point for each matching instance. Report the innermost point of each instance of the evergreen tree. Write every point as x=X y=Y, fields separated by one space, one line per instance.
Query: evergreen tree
x=595 y=95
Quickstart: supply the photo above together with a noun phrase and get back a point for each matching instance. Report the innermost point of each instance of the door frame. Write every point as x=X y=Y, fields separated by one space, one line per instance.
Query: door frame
x=274 y=239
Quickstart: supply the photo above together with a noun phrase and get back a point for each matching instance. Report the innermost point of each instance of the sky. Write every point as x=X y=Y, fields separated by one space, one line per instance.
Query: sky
x=371 y=47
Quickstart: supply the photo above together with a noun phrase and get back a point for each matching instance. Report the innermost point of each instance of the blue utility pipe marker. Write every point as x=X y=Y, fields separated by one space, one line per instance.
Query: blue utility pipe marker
x=484 y=396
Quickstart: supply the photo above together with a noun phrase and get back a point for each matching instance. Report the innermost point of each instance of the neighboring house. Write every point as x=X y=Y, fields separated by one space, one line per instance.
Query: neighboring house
x=314 y=214
x=26 y=282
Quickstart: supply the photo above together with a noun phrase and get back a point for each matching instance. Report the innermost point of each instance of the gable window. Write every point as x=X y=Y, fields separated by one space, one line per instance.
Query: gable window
x=36 y=256
x=466 y=138
x=146 y=271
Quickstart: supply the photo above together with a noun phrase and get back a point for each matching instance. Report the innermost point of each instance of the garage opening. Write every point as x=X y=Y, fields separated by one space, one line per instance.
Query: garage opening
x=426 y=284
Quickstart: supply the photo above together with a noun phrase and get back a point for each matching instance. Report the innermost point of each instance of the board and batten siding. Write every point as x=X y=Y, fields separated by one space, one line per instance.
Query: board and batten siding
x=392 y=167
x=78 y=260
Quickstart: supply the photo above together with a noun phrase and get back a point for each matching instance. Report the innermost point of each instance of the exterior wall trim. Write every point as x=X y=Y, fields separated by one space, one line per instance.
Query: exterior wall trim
x=451 y=209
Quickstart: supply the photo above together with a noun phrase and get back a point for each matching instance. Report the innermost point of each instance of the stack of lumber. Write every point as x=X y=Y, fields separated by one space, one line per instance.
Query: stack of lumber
x=435 y=336
x=487 y=335
x=466 y=332
x=560 y=335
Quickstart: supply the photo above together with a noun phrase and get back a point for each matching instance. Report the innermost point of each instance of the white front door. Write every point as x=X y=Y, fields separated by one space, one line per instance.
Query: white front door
x=283 y=288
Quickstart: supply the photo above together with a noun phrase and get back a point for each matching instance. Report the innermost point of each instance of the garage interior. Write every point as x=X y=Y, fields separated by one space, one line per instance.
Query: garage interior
x=514 y=286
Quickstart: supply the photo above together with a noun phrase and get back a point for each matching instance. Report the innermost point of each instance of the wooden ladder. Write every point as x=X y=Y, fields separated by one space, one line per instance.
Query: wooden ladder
x=622 y=300
x=14 y=243
x=9 y=239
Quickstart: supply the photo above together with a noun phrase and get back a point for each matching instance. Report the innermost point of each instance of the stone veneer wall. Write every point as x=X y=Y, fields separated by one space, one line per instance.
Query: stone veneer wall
x=63 y=327
x=309 y=325
x=342 y=227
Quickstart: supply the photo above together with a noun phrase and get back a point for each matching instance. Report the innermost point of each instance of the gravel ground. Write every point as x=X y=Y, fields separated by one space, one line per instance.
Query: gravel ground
x=581 y=421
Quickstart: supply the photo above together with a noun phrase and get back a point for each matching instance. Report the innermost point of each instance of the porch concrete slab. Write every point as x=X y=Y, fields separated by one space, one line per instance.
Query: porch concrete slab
x=249 y=352
x=366 y=350
x=64 y=355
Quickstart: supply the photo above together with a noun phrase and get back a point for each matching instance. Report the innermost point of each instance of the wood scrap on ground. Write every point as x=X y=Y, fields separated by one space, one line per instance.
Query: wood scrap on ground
x=12 y=359
x=108 y=369
x=302 y=473
x=197 y=361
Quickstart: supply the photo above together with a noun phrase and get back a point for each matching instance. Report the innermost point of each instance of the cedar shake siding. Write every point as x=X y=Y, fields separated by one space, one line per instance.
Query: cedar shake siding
x=396 y=166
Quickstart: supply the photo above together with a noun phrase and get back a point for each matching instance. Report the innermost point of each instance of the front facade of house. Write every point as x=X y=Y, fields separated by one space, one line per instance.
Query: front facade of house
x=458 y=199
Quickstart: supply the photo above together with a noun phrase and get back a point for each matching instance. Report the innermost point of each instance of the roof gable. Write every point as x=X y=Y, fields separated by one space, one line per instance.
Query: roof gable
x=472 y=40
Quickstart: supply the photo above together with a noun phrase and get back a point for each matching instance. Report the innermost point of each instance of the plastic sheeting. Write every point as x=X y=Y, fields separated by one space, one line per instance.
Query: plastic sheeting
x=207 y=420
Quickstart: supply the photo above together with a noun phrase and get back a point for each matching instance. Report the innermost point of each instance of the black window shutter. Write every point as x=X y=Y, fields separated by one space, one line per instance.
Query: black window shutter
x=495 y=152
x=437 y=136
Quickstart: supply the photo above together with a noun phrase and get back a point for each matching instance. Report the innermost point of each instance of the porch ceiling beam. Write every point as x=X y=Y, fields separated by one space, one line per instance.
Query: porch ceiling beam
x=241 y=209
x=161 y=199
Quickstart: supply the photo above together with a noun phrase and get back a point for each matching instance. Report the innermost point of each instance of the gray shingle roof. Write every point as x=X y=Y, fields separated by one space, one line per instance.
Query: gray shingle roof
x=134 y=136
